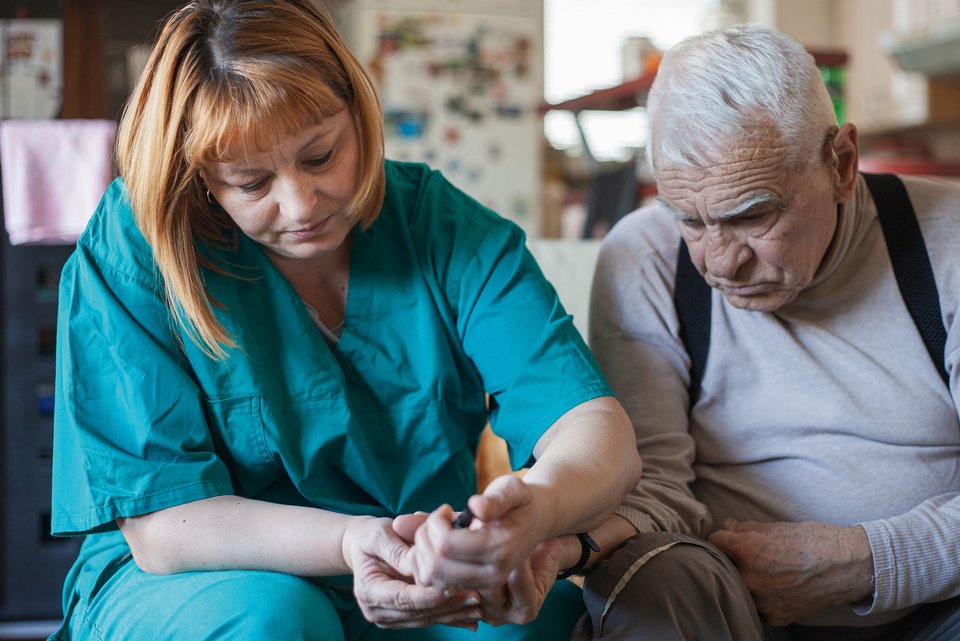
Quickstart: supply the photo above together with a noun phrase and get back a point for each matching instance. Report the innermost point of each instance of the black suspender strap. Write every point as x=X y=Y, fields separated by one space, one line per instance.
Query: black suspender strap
x=911 y=266
x=911 y=263
x=691 y=297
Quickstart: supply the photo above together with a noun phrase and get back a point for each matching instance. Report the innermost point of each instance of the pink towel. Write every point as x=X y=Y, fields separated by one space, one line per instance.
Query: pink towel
x=54 y=173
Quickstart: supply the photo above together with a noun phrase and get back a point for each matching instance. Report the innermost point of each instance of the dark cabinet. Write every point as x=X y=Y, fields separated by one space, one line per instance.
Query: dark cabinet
x=33 y=563
x=97 y=34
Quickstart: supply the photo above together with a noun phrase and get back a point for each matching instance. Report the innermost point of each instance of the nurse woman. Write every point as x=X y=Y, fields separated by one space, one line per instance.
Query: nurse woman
x=275 y=354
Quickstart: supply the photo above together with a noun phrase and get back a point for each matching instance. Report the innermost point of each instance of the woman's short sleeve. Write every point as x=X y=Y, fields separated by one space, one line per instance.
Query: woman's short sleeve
x=534 y=364
x=130 y=435
x=533 y=360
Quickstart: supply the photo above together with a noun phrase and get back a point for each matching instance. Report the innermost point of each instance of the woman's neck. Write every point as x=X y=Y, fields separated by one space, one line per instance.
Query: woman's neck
x=321 y=281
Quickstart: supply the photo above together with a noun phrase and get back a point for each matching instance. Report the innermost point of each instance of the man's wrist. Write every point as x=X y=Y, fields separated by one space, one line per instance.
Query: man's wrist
x=858 y=547
x=586 y=547
x=570 y=550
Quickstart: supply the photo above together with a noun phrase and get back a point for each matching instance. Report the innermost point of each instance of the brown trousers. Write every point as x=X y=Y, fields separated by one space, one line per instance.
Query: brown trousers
x=672 y=587
x=667 y=587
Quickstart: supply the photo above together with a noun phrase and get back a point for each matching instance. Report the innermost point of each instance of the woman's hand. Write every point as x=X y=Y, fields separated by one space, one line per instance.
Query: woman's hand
x=510 y=521
x=519 y=598
x=382 y=567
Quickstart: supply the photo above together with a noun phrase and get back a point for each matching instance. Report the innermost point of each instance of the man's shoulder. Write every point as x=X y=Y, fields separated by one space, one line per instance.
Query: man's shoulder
x=638 y=258
x=936 y=203
x=933 y=197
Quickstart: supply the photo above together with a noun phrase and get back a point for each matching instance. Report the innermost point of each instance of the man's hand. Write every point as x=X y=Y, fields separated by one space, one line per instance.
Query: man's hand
x=520 y=600
x=795 y=570
x=382 y=567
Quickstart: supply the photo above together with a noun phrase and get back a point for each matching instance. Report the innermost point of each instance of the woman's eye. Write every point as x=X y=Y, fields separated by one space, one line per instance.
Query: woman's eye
x=251 y=188
x=319 y=161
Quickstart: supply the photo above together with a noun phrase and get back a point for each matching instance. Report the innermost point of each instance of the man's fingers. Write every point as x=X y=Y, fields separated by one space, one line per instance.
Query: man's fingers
x=524 y=600
x=722 y=539
x=495 y=603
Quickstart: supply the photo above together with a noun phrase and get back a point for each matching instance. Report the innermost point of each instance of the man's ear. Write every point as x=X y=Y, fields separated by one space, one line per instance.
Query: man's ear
x=846 y=159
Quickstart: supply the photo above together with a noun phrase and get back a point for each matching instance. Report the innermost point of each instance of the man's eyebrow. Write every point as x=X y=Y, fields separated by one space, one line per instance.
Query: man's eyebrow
x=762 y=201
x=675 y=213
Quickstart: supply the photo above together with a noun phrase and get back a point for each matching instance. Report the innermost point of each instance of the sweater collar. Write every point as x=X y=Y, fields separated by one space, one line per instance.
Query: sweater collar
x=853 y=222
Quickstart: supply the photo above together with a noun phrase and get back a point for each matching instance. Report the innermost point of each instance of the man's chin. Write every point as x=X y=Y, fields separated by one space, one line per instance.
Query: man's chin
x=760 y=302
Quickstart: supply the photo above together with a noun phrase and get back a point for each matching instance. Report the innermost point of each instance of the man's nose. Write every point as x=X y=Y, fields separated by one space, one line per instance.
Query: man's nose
x=725 y=253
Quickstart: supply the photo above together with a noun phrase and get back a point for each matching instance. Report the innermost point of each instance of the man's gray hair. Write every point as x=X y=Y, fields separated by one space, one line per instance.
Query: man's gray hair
x=714 y=87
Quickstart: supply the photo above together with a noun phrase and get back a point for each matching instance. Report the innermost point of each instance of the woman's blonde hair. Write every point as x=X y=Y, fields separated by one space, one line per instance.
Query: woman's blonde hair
x=226 y=78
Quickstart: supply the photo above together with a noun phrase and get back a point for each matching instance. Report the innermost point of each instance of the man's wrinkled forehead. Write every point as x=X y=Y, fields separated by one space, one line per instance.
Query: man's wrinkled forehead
x=761 y=143
x=748 y=175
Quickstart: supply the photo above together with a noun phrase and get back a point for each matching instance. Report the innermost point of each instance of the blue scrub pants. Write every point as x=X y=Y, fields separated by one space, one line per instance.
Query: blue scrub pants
x=252 y=606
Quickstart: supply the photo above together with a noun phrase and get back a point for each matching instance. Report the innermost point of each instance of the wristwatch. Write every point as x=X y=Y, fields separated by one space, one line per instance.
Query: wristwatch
x=587 y=544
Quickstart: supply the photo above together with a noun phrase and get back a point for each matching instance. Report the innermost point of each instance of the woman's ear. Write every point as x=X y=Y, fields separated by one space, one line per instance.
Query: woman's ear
x=846 y=159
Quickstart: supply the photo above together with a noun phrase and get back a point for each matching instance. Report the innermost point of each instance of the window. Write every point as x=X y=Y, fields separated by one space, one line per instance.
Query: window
x=584 y=50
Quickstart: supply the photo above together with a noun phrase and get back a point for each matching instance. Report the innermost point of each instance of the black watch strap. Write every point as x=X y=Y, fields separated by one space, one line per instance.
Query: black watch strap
x=587 y=544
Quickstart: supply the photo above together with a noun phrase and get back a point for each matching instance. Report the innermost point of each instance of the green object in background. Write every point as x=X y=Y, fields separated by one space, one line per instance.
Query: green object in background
x=834 y=77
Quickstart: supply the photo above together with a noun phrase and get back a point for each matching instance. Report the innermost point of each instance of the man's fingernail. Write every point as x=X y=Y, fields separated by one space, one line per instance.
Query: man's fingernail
x=473 y=601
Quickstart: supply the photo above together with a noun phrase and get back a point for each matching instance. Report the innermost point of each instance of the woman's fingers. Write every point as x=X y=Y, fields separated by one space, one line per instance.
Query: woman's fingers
x=389 y=600
x=501 y=496
x=406 y=525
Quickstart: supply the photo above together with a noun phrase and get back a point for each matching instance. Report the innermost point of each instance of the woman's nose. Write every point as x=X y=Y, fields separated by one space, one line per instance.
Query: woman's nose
x=297 y=200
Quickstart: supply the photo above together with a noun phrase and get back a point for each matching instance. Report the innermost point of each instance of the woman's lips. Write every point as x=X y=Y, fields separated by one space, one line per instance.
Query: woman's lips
x=309 y=232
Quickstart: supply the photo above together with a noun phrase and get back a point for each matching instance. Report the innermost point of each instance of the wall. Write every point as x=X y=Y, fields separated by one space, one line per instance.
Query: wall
x=898 y=113
x=903 y=113
x=812 y=22
x=882 y=96
x=460 y=83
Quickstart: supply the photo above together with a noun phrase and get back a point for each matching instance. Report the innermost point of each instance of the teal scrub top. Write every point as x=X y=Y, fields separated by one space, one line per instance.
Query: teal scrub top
x=445 y=305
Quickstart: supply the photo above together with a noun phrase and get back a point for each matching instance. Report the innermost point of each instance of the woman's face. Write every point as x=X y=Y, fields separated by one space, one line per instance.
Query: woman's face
x=292 y=199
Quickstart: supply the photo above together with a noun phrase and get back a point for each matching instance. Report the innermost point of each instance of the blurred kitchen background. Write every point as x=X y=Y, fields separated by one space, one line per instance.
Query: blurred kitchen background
x=534 y=107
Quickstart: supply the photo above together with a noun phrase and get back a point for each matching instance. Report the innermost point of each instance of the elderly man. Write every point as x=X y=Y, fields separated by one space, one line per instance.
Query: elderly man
x=797 y=418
